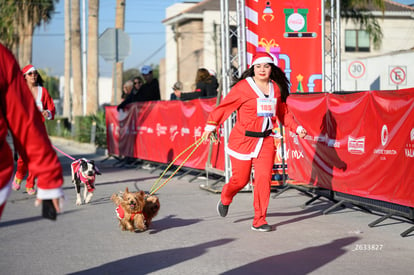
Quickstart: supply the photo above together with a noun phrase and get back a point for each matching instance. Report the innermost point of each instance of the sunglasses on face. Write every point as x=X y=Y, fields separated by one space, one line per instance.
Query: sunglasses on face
x=135 y=83
x=32 y=73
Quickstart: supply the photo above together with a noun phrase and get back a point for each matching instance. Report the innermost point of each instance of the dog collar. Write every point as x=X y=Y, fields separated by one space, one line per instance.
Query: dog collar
x=120 y=213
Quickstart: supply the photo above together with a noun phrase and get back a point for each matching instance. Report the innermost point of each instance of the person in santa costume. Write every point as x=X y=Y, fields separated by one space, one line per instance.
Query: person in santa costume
x=44 y=103
x=19 y=115
x=259 y=97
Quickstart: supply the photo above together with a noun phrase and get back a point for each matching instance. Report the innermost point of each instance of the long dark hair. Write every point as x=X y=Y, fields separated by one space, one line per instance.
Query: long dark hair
x=203 y=75
x=39 y=80
x=277 y=75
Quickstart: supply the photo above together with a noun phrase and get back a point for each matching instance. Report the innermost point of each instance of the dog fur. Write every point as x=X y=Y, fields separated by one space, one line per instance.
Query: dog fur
x=130 y=210
x=151 y=208
x=84 y=172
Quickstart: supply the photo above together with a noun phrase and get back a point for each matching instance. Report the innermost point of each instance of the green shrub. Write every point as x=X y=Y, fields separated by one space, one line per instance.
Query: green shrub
x=82 y=128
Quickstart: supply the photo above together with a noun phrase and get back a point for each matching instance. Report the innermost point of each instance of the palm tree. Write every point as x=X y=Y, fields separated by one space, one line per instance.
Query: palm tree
x=76 y=59
x=7 y=28
x=29 y=14
x=93 y=61
x=119 y=24
x=359 y=12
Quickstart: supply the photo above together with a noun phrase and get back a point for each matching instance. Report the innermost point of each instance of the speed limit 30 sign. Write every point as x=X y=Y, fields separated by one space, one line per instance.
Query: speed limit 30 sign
x=356 y=69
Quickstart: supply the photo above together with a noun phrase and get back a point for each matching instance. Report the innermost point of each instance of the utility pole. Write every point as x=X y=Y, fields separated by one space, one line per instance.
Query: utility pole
x=176 y=39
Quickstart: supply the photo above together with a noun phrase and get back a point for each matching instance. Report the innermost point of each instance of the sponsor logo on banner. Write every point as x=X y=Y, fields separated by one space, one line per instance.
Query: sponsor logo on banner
x=185 y=131
x=409 y=148
x=295 y=154
x=198 y=131
x=173 y=132
x=384 y=142
x=356 y=145
x=384 y=135
x=161 y=130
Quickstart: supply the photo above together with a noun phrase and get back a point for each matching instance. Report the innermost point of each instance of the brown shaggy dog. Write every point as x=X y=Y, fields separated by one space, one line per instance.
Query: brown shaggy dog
x=130 y=210
x=151 y=207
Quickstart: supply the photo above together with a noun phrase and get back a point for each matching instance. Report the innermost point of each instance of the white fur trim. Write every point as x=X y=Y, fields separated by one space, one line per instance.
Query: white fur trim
x=49 y=114
x=299 y=129
x=240 y=156
x=5 y=192
x=209 y=128
x=30 y=70
x=261 y=60
x=48 y=194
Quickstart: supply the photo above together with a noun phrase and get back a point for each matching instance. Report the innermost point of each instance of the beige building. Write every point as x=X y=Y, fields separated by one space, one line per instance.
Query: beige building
x=193 y=41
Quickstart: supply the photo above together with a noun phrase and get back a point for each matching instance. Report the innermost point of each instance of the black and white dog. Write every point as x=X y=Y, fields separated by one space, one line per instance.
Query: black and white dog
x=84 y=171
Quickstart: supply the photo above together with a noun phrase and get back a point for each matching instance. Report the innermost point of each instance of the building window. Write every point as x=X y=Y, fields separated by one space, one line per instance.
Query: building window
x=356 y=41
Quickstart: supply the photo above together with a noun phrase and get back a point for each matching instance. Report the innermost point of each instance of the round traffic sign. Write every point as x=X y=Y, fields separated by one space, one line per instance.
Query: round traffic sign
x=356 y=69
x=114 y=45
x=397 y=75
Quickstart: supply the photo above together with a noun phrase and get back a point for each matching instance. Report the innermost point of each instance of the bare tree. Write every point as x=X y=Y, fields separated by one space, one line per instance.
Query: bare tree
x=93 y=61
x=76 y=59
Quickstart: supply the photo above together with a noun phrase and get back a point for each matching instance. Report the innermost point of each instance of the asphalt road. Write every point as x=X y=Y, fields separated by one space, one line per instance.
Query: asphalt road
x=188 y=236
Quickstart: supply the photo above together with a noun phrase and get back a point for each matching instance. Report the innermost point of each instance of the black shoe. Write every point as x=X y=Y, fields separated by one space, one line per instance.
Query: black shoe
x=262 y=228
x=222 y=209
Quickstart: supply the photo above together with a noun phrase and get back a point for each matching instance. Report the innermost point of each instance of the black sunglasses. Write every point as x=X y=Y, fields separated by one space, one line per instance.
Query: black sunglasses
x=32 y=73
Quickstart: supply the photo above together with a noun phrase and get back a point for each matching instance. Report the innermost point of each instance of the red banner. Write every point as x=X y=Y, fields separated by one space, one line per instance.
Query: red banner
x=291 y=30
x=360 y=144
x=160 y=130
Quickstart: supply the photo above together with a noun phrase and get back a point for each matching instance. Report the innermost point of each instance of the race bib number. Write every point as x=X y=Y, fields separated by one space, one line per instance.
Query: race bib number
x=266 y=107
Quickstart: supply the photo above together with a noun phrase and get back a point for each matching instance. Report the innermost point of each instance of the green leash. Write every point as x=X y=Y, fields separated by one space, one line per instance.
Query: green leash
x=156 y=186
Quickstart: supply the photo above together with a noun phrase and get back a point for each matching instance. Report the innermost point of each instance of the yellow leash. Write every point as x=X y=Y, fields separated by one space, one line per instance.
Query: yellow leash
x=155 y=187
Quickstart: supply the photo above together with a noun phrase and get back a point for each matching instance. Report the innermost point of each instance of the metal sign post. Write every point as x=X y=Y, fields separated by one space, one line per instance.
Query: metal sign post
x=356 y=70
x=114 y=45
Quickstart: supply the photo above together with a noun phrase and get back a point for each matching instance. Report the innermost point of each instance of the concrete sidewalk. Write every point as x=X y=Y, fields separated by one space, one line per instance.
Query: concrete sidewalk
x=188 y=236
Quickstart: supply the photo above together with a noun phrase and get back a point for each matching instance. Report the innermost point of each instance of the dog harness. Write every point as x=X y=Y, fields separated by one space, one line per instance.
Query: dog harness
x=120 y=213
x=89 y=180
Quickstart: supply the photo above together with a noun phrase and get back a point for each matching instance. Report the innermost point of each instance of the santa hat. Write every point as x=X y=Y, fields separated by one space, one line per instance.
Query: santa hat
x=29 y=68
x=262 y=57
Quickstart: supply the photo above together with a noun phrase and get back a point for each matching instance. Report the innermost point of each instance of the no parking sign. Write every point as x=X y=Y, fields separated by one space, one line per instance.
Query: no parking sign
x=398 y=75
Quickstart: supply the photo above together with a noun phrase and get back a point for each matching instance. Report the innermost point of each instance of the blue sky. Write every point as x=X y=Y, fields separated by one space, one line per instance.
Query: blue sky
x=142 y=23
x=406 y=2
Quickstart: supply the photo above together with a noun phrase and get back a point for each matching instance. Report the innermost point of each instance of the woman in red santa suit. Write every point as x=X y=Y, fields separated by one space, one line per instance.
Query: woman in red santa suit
x=44 y=103
x=19 y=115
x=259 y=96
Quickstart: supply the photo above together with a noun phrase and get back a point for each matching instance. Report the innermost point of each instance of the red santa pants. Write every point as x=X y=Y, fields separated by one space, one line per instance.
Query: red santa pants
x=22 y=171
x=241 y=170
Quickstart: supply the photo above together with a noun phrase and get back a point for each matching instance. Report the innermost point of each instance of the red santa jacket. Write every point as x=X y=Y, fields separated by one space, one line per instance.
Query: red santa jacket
x=18 y=113
x=45 y=102
x=243 y=98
